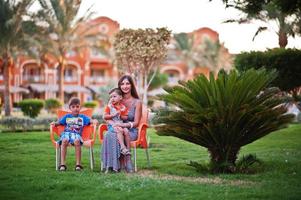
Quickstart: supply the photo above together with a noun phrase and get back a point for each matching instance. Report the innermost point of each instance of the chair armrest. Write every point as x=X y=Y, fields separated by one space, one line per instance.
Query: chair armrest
x=93 y=126
x=142 y=141
x=102 y=128
x=54 y=130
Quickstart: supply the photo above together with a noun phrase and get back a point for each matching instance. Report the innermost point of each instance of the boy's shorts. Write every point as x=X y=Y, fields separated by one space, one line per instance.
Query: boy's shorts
x=71 y=137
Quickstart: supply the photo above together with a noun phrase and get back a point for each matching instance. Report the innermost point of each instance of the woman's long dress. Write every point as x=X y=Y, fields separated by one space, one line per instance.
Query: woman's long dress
x=111 y=156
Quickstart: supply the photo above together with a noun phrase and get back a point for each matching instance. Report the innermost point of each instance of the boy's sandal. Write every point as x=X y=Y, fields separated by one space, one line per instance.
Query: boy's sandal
x=78 y=167
x=62 y=168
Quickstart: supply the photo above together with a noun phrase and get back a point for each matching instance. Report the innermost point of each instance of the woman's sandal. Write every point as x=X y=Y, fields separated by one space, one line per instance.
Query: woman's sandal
x=62 y=168
x=78 y=168
x=125 y=151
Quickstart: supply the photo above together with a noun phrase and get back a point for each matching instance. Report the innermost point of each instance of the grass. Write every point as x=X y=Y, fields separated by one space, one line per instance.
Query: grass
x=28 y=171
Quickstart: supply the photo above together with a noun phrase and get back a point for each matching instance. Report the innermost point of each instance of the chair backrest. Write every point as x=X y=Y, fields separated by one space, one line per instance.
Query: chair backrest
x=142 y=141
x=144 y=115
x=86 y=111
x=87 y=130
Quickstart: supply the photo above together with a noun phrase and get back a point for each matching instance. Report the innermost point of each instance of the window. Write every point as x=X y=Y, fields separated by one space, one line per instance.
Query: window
x=103 y=28
x=97 y=53
x=71 y=53
x=32 y=73
x=97 y=75
x=70 y=74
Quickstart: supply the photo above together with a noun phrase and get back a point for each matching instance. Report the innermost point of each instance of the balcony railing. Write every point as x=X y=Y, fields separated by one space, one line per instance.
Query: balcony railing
x=33 y=78
x=173 y=80
x=98 y=79
x=70 y=79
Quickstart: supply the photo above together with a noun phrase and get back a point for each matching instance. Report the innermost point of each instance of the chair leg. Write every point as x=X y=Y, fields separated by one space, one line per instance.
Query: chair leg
x=91 y=158
x=101 y=165
x=57 y=157
x=135 y=158
x=147 y=157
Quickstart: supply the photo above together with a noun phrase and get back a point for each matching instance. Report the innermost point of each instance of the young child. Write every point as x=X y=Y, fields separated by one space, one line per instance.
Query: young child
x=74 y=124
x=115 y=112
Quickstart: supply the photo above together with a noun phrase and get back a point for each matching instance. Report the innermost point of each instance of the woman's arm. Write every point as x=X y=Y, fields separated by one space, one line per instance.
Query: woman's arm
x=135 y=123
x=138 y=114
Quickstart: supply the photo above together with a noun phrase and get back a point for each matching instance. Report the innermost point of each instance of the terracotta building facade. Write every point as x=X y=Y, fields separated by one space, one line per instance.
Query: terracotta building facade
x=86 y=73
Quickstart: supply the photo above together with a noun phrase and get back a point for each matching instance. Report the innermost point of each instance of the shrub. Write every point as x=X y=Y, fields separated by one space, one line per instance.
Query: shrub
x=223 y=114
x=14 y=124
x=285 y=61
x=31 y=107
x=98 y=117
x=90 y=104
x=248 y=164
x=52 y=104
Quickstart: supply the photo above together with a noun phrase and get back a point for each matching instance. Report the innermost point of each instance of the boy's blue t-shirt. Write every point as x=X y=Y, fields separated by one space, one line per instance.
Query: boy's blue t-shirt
x=74 y=124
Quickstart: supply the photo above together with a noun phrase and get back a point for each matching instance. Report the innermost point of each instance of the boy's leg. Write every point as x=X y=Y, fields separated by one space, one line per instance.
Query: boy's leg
x=127 y=138
x=78 y=151
x=120 y=139
x=64 y=146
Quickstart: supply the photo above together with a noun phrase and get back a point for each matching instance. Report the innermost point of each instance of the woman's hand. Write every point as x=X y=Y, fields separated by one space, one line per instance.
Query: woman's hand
x=117 y=129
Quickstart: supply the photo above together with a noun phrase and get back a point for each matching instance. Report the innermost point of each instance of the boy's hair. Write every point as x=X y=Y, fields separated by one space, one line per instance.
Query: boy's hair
x=117 y=90
x=74 y=101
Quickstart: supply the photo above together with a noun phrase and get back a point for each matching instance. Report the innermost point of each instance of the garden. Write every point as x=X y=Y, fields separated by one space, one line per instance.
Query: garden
x=222 y=135
x=28 y=171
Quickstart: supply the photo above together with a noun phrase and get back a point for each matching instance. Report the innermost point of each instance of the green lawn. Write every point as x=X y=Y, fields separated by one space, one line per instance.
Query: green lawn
x=28 y=171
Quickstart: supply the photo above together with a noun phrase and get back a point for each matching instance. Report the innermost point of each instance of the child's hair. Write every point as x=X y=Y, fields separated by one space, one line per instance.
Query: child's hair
x=117 y=90
x=74 y=101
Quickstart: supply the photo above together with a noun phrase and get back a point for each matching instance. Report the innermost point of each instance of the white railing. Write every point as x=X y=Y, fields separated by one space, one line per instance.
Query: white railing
x=173 y=80
x=97 y=79
x=70 y=79
x=33 y=78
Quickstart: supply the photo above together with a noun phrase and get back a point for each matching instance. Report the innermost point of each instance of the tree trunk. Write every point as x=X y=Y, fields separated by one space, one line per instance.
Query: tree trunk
x=223 y=160
x=61 y=69
x=140 y=85
x=282 y=39
x=7 y=87
x=145 y=87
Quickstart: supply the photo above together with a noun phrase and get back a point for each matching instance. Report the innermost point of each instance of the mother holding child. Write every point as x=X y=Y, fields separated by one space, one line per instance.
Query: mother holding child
x=122 y=115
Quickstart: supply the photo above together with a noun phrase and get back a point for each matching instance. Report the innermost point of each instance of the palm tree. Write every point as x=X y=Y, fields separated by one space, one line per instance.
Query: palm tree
x=223 y=114
x=65 y=33
x=14 y=39
x=208 y=53
x=287 y=23
x=185 y=44
x=214 y=56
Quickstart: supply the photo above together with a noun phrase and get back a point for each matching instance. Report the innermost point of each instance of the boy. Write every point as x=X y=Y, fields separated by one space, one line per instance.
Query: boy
x=74 y=124
x=116 y=112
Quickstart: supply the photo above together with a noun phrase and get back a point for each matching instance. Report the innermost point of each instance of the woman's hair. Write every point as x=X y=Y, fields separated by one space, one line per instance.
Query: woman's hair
x=133 y=88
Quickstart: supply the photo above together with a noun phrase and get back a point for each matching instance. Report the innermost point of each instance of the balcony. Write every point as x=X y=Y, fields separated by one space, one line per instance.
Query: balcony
x=173 y=80
x=98 y=79
x=69 y=79
x=33 y=78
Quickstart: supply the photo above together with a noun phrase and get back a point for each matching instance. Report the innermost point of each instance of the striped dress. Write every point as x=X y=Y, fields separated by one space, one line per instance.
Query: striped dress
x=110 y=152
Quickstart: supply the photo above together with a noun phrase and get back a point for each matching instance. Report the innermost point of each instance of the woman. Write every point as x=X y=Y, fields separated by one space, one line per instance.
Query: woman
x=111 y=156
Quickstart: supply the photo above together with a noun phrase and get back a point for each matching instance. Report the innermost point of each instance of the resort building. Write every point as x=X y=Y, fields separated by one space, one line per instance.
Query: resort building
x=85 y=73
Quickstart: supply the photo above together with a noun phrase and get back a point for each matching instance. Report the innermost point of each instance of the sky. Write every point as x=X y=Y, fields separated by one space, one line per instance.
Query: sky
x=187 y=16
